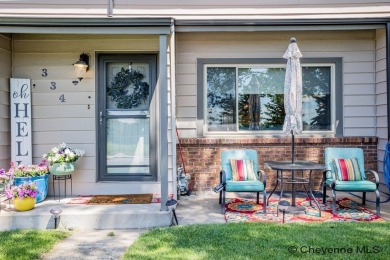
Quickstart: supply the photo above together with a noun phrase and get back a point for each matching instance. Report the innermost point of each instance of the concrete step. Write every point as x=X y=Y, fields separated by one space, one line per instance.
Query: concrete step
x=79 y=216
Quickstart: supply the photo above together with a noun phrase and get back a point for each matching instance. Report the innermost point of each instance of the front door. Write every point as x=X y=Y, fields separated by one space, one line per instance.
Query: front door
x=126 y=145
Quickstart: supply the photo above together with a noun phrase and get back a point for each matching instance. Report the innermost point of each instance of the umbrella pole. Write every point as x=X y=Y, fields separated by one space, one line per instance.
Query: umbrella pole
x=292 y=148
x=292 y=172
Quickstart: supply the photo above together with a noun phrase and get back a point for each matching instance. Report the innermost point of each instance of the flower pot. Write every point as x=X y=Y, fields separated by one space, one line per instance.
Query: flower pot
x=62 y=168
x=24 y=204
x=41 y=181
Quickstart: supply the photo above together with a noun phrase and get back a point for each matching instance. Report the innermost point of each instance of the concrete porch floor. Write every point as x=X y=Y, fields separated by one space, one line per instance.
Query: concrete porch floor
x=79 y=216
x=199 y=208
x=203 y=207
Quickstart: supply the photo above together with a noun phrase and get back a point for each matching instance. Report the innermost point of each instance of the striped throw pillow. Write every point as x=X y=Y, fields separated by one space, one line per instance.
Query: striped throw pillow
x=347 y=169
x=242 y=170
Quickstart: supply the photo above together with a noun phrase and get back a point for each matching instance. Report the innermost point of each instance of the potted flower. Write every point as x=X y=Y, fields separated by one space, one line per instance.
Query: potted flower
x=24 y=195
x=39 y=174
x=5 y=180
x=62 y=159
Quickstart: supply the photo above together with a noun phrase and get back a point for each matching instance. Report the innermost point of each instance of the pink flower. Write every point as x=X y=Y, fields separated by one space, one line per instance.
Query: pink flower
x=24 y=190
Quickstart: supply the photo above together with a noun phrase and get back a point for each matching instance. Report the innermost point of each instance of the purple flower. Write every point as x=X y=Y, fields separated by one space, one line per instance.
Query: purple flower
x=24 y=190
x=9 y=194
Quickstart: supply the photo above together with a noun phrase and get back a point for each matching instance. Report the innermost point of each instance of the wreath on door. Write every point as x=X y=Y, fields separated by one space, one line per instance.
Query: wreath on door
x=119 y=91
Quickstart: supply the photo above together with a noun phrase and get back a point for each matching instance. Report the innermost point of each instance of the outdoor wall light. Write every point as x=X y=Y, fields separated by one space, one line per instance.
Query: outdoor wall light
x=81 y=66
x=56 y=215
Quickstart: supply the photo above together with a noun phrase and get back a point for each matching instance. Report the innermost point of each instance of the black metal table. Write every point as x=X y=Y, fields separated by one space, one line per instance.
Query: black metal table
x=297 y=166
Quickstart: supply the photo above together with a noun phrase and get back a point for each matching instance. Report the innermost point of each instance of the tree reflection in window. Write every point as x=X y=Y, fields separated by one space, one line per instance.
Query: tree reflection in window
x=221 y=99
x=261 y=99
x=316 y=108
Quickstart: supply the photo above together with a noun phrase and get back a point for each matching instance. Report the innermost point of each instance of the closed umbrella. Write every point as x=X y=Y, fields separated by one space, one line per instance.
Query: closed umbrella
x=293 y=92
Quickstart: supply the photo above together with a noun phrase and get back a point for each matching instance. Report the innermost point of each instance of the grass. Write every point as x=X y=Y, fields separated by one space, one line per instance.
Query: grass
x=28 y=244
x=265 y=241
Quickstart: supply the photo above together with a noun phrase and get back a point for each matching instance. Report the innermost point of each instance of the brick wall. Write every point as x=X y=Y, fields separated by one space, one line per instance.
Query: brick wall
x=202 y=155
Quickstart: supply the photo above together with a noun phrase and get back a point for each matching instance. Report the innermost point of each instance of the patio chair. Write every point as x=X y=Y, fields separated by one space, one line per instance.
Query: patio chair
x=348 y=175
x=252 y=184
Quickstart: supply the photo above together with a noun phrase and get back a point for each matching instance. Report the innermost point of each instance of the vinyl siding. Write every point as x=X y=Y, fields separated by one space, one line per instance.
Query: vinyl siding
x=356 y=48
x=72 y=121
x=381 y=99
x=199 y=9
x=5 y=74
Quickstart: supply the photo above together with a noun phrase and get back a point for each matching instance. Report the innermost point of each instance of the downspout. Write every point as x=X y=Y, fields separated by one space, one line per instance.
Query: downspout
x=388 y=78
x=172 y=48
x=110 y=9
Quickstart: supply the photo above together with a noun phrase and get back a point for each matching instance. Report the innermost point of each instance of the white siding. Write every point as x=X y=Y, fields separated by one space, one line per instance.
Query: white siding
x=381 y=98
x=267 y=9
x=356 y=48
x=74 y=121
x=5 y=74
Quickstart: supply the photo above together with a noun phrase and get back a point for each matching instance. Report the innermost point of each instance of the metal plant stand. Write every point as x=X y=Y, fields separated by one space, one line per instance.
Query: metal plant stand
x=60 y=178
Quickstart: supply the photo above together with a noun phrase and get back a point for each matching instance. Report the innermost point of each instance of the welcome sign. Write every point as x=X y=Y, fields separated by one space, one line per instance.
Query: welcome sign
x=20 y=106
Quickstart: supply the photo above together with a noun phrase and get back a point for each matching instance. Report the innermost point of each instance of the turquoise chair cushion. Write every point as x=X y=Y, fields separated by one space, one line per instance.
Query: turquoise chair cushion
x=345 y=153
x=353 y=185
x=238 y=155
x=249 y=186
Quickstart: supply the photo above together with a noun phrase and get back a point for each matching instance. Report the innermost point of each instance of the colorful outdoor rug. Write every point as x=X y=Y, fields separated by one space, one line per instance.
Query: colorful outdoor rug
x=115 y=199
x=246 y=210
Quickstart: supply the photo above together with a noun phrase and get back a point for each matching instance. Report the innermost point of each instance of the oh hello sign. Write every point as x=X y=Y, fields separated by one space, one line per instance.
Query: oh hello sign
x=20 y=102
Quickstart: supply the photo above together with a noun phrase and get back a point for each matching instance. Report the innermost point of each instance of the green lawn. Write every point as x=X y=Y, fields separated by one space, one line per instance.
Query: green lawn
x=28 y=244
x=265 y=241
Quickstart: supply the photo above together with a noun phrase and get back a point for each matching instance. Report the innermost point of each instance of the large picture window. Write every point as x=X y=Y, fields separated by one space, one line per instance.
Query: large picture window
x=249 y=98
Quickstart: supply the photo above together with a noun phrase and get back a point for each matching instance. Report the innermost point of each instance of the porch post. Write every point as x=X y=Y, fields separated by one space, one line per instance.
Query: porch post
x=163 y=131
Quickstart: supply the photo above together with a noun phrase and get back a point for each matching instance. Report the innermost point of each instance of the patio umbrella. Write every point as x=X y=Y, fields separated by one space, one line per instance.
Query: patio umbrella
x=293 y=93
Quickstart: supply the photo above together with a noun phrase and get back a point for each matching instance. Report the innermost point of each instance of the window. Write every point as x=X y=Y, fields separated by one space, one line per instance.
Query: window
x=249 y=98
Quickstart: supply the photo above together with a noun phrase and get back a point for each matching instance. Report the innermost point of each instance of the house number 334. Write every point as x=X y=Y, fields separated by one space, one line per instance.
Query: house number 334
x=53 y=85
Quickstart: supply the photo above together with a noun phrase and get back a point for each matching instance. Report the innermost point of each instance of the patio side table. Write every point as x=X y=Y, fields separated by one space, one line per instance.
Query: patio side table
x=59 y=178
x=280 y=166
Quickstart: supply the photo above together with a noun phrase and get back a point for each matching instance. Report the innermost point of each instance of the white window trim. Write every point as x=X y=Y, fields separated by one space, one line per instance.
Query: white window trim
x=267 y=133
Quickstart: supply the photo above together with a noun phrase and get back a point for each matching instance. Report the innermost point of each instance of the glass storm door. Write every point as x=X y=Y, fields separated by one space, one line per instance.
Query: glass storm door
x=126 y=138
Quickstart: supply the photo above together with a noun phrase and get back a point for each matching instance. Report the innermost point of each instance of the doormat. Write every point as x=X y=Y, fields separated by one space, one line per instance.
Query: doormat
x=156 y=198
x=113 y=199
x=246 y=210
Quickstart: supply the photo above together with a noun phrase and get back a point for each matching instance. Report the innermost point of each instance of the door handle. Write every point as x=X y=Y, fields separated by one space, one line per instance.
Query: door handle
x=101 y=117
